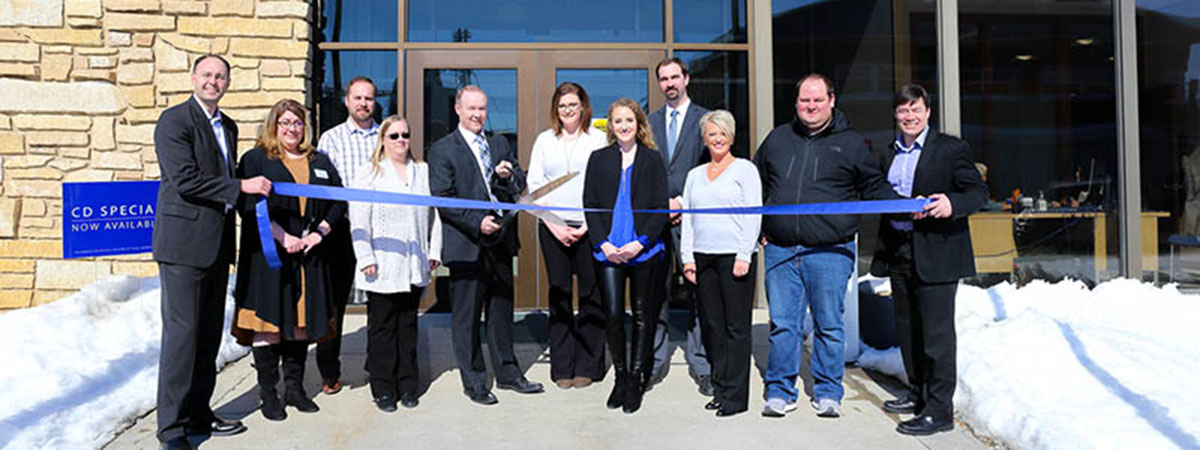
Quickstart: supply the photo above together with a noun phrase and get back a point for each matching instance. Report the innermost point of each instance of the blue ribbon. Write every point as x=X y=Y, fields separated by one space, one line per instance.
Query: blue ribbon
x=396 y=198
x=264 y=235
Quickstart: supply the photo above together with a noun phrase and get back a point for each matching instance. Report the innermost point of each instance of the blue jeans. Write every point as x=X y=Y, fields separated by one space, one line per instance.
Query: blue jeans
x=799 y=278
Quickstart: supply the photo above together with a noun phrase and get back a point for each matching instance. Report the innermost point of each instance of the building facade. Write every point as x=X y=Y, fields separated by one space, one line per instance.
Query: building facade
x=1076 y=118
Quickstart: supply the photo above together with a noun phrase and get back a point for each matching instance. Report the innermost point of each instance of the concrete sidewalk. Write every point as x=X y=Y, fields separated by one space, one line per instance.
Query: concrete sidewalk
x=672 y=415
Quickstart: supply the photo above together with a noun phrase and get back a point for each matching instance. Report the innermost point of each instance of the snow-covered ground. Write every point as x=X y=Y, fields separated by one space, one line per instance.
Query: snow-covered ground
x=76 y=371
x=1044 y=366
x=1058 y=366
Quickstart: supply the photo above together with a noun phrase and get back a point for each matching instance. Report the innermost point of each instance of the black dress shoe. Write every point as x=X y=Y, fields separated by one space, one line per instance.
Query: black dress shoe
x=705 y=385
x=272 y=408
x=924 y=425
x=220 y=427
x=712 y=405
x=482 y=397
x=521 y=385
x=409 y=401
x=301 y=401
x=729 y=412
x=386 y=403
x=179 y=443
x=903 y=405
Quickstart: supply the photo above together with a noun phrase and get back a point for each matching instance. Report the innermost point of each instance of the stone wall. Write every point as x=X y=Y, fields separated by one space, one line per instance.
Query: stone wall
x=81 y=85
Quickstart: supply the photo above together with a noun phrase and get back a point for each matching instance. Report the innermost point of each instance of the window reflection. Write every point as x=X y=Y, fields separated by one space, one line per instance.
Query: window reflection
x=359 y=21
x=719 y=81
x=339 y=67
x=535 y=21
x=441 y=85
x=721 y=21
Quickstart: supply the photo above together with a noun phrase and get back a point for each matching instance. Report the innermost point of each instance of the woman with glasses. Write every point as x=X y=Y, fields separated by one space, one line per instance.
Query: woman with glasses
x=397 y=248
x=280 y=311
x=628 y=175
x=576 y=342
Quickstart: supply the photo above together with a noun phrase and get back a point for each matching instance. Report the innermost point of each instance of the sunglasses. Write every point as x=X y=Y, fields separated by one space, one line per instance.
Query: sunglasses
x=394 y=136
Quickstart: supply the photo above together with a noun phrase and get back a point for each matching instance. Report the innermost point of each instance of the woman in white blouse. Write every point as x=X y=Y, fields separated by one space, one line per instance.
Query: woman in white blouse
x=576 y=343
x=397 y=247
x=718 y=256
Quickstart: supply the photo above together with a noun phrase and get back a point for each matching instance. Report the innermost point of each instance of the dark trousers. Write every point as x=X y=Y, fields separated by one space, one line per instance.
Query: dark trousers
x=341 y=280
x=725 y=309
x=486 y=284
x=193 y=314
x=925 y=325
x=693 y=346
x=392 y=342
x=267 y=362
x=576 y=342
x=646 y=296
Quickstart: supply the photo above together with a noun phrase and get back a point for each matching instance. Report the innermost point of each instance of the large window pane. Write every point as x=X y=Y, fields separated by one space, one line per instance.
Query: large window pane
x=1038 y=106
x=718 y=81
x=710 y=21
x=339 y=67
x=1168 y=48
x=535 y=21
x=360 y=21
x=442 y=84
x=605 y=86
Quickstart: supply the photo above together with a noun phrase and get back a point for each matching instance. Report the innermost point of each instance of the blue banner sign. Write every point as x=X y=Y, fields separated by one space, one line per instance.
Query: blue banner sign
x=108 y=218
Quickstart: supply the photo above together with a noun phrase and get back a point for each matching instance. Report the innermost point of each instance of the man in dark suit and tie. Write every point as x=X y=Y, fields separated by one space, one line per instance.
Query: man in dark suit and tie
x=676 y=129
x=478 y=245
x=194 y=245
x=926 y=257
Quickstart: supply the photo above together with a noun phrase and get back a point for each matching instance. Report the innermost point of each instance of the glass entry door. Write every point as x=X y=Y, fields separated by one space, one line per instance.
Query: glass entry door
x=520 y=85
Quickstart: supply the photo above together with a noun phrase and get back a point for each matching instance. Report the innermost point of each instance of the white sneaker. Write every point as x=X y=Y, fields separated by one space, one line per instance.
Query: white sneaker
x=778 y=407
x=827 y=407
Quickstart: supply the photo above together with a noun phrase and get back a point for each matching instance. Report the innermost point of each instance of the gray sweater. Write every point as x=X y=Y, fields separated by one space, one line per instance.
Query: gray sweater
x=737 y=234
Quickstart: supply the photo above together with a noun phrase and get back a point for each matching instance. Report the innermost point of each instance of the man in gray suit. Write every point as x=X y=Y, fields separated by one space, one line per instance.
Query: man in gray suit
x=193 y=243
x=676 y=128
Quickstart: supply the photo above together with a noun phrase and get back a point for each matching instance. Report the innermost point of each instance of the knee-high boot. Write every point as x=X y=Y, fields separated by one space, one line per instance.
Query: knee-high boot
x=294 y=355
x=266 y=363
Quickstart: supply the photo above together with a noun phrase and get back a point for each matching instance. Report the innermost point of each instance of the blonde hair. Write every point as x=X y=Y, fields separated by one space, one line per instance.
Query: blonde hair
x=722 y=119
x=644 y=136
x=378 y=155
x=268 y=138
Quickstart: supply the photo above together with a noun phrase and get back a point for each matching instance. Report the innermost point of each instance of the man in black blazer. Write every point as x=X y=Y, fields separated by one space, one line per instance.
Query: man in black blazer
x=925 y=255
x=479 y=245
x=194 y=245
x=676 y=129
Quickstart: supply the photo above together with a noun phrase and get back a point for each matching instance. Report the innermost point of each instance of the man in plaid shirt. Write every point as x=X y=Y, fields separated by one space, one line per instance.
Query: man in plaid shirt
x=349 y=146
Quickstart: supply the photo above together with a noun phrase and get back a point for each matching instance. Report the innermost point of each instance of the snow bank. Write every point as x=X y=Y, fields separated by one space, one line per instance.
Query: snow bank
x=1059 y=366
x=80 y=369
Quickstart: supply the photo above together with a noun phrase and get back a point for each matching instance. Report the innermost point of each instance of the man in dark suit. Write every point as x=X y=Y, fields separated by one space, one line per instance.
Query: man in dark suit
x=926 y=257
x=479 y=245
x=676 y=129
x=194 y=245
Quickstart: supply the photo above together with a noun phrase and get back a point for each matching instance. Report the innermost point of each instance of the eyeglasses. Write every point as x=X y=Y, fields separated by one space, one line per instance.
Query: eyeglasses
x=395 y=136
x=290 y=124
x=567 y=106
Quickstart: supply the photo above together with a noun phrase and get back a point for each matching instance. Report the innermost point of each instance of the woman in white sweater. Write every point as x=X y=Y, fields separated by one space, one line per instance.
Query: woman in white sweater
x=576 y=342
x=718 y=256
x=397 y=247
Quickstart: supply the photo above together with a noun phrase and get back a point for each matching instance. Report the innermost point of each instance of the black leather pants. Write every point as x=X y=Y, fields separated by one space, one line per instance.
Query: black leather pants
x=646 y=297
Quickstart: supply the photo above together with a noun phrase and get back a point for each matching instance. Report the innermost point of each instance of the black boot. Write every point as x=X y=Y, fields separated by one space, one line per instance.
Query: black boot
x=294 y=354
x=617 y=398
x=266 y=363
x=634 y=390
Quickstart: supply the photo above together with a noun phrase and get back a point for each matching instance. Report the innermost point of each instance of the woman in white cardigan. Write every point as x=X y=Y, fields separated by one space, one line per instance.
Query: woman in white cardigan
x=397 y=247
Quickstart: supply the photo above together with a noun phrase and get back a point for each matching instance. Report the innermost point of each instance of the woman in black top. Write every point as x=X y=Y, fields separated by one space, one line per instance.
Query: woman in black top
x=279 y=312
x=628 y=174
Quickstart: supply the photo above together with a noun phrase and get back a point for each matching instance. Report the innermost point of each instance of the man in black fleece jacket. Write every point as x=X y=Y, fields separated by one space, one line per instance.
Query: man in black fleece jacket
x=817 y=158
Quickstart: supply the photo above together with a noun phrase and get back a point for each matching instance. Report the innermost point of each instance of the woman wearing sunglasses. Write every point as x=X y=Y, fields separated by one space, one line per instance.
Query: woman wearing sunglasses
x=397 y=248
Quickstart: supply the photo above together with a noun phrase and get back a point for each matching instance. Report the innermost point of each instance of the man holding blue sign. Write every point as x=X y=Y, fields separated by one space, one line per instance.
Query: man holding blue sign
x=194 y=245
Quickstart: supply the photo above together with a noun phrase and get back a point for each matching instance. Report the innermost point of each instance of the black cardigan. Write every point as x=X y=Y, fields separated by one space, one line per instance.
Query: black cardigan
x=647 y=188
